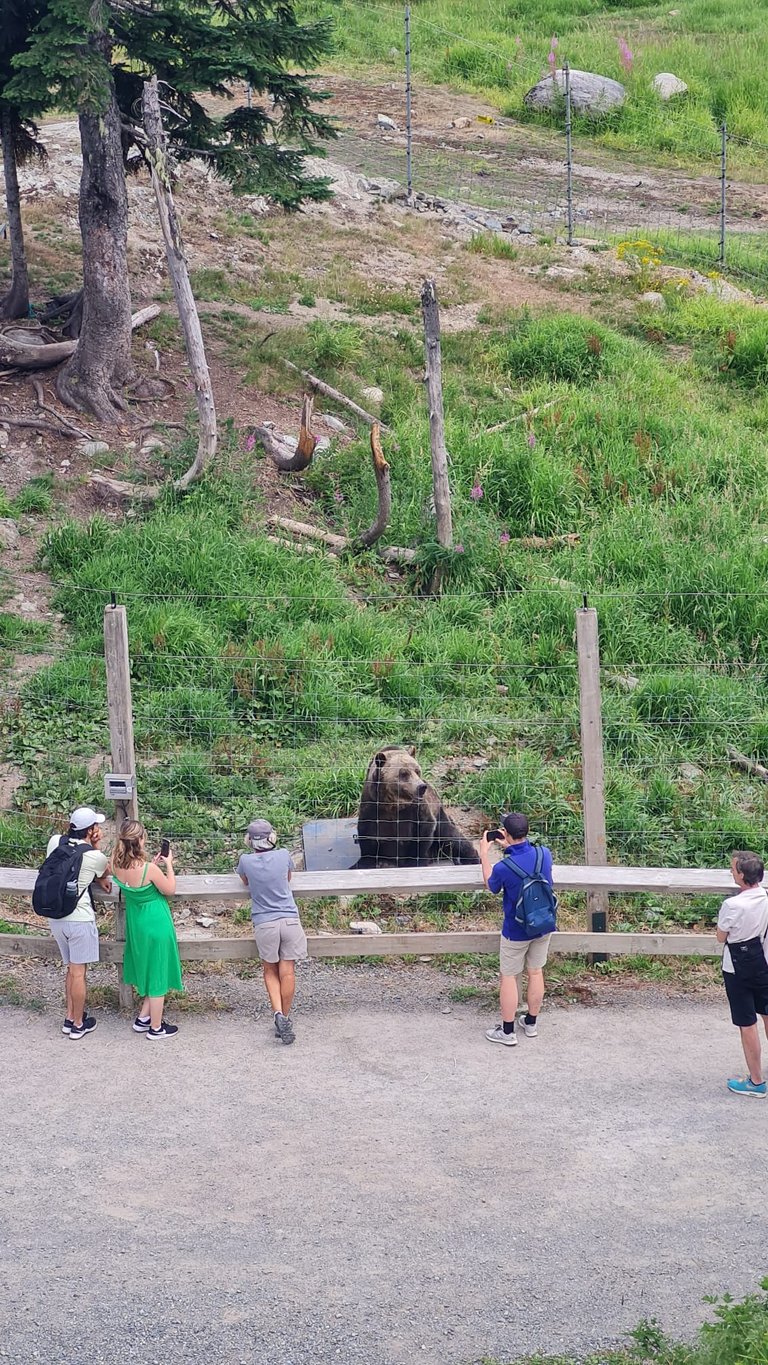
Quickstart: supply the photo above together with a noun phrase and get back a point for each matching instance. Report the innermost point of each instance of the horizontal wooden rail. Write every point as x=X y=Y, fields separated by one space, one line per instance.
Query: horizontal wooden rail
x=393 y=945
x=421 y=881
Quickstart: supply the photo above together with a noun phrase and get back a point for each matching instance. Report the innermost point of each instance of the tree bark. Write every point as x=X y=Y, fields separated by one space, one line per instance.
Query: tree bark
x=288 y=460
x=440 y=484
x=92 y=379
x=384 y=490
x=15 y=303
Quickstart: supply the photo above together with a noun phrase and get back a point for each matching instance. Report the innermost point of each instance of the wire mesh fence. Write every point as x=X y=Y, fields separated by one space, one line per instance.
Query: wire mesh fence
x=259 y=731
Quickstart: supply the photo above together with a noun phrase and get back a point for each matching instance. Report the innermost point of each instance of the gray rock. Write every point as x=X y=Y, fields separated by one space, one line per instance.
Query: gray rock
x=461 y=122
x=384 y=121
x=590 y=93
x=334 y=423
x=373 y=394
x=667 y=86
x=690 y=772
x=9 y=534
x=654 y=299
x=363 y=926
x=93 y=447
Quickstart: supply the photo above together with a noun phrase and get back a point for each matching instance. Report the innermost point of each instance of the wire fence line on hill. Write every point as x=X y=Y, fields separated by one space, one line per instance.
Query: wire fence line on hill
x=508 y=175
x=222 y=736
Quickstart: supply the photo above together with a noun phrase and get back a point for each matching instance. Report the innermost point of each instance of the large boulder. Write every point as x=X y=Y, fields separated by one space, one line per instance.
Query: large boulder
x=590 y=94
x=667 y=86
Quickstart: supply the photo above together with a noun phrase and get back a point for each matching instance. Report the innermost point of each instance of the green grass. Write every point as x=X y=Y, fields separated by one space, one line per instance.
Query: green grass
x=263 y=680
x=719 y=47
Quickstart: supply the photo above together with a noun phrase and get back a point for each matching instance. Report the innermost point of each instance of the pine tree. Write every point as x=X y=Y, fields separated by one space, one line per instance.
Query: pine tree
x=94 y=55
x=20 y=143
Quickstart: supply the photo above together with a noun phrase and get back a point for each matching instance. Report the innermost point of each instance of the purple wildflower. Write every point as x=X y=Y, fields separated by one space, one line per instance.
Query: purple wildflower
x=476 y=492
x=338 y=496
x=552 y=55
x=626 y=57
x=250 y=441
x=458 y=549
x=504 y=538
x=531 y=439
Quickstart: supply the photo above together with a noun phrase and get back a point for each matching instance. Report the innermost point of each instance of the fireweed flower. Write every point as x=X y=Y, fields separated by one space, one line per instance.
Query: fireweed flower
x=531 y=439
x=476 y=492
x=626 y=56
x=552 y=55
x=458 y=549
x=250 y=441
x=504 y=538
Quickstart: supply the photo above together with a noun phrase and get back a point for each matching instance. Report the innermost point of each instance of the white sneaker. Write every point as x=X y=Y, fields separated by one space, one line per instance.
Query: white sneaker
x=530 y=1030
x=497 y=1035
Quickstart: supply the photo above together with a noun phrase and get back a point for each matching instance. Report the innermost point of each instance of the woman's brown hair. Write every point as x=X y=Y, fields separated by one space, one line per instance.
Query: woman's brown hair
x=128 y=849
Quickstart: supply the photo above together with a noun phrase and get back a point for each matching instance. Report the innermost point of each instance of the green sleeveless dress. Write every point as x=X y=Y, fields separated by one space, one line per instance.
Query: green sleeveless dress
x=151 y=961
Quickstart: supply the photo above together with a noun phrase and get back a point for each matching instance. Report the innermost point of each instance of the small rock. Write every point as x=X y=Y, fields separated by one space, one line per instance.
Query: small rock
x=394 y=52
x=502 y=690
x=654 y=299
x=447 y=1010
x=205 y=921
x=562 y=272
x=64 y=464
x=373 y=394
x=667 y=86
x=91 y=448
x=690 y=772
x=384 y=121
x=425 y=958
x=4 y=437
x=9 y=534
x=461 y=122
x=363 y=926
x=480 y=763
x=334 y=423
x=151 y=443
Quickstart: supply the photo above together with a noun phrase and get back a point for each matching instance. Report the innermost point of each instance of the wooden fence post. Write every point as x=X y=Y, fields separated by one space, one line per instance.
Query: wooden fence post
x=120 y=709
x=434 y=377
x=592 y=762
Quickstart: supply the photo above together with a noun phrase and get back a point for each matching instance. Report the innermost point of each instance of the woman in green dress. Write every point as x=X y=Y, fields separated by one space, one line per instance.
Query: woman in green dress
x=151 y=959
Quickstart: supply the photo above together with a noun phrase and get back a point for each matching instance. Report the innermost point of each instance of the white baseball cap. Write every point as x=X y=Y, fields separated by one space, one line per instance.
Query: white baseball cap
x=84 y=817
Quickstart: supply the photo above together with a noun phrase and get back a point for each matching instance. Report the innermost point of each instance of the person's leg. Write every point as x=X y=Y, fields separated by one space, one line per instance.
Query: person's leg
x=76 y=975
x=535 y=991
x=287 y=975
x=764 y=1018
x=144 y=1012
x=750 y=1042
x=155 y=1004
x=68 y=992
x=508 y=998
x=272 y=983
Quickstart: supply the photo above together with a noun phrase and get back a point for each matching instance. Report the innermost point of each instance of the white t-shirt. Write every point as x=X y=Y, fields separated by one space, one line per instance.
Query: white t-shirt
x=94 y=864
x=743 y=916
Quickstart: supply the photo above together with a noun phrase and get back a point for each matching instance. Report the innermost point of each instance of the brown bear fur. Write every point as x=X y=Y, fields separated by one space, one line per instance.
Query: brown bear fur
x=402 y=822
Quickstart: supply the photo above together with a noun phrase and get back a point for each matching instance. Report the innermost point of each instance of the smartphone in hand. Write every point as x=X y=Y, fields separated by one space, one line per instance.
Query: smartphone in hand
x=165 y=848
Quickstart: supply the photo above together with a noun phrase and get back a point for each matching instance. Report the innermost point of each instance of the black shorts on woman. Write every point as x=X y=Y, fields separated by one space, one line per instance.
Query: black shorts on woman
x=747 y=985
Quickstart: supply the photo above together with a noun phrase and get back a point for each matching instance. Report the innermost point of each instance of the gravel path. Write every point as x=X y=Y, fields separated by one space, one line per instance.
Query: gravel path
x=391 y=1189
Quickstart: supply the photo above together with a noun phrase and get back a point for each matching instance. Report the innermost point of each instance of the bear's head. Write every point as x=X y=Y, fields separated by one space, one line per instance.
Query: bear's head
x=395 y=771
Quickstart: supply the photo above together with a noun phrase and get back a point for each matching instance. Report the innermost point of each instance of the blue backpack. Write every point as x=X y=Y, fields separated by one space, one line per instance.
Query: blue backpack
x=536 y=908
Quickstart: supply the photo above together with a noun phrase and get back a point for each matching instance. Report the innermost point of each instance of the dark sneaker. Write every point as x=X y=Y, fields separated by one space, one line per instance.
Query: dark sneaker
x=141 y=1025
x=69 y=1024
x=164 y=1031
x=277 y=1026
x=285 y=1029
x=79 y=1031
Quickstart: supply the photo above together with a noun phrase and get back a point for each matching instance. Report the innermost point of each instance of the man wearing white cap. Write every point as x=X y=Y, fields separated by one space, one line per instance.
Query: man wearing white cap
x=77 y=934
x=281 y=941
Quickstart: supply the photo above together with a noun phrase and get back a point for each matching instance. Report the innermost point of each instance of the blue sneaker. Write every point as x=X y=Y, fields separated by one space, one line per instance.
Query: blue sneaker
x=747 y=1087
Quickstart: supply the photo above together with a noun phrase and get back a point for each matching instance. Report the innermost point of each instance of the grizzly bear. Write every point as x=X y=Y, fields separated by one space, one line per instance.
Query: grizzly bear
x=402 y=822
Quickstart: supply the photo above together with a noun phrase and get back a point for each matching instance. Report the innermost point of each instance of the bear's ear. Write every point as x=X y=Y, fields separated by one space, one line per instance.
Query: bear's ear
x=380 y=759
x=411 y=748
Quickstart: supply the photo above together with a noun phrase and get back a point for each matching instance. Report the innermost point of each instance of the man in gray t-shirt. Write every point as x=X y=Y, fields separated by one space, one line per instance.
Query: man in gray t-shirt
x=281 y=941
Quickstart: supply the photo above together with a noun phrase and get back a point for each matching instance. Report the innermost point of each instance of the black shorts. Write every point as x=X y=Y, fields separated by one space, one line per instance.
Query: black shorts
x=746 y=997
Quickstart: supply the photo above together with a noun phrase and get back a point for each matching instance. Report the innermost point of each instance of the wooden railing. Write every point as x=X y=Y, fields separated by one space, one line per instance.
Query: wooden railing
x=409 y=881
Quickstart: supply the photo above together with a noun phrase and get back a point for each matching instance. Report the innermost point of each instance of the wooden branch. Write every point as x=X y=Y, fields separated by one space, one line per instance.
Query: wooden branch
x=547 y=542
x=747 y=765
x=320 y=386
x=398 y=554
x=287 y=459
x=157 y=150
x=28 y=356
x=69 y=428
x=303 y=528
x=384 y=489
x=300 y=549
x=36 y=424
x=520 y=417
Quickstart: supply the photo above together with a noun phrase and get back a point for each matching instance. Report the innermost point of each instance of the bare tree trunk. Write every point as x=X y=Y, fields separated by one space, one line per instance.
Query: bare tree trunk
x=434 y=378
x=92 y=379
x=14 y=304
x=384 y=490
x=185 y=299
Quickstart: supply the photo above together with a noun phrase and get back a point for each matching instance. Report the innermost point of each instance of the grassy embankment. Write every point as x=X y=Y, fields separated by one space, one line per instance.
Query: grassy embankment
x=265 y=679
x=718 y=47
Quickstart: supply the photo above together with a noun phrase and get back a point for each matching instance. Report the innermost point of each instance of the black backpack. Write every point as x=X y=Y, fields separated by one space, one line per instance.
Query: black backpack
x=56 y=893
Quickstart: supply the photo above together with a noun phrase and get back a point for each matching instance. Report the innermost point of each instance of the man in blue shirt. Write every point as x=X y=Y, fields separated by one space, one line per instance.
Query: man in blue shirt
x=517 y=952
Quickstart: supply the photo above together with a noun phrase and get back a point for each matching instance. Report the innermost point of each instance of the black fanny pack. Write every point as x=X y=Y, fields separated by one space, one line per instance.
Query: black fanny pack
x=748 y=959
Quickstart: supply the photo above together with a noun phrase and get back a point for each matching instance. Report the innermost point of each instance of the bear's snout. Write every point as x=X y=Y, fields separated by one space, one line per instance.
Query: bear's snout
x=421 y=790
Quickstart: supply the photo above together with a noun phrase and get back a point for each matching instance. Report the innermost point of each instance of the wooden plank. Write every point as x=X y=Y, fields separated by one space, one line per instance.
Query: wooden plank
x=421 y=881
x=120 y=708
x=392 y=945
x=592 y=758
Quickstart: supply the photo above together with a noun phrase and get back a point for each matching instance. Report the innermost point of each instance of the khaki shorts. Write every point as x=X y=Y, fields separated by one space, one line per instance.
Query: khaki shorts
x=281 y=940
x=515 y=957
x=78 y=940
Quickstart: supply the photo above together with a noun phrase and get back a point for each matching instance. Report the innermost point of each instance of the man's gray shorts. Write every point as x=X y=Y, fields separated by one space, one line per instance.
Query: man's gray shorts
x=78 y=940
x=281 y=940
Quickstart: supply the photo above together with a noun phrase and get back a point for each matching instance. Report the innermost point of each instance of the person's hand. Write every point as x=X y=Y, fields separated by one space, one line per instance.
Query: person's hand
x=487 y=837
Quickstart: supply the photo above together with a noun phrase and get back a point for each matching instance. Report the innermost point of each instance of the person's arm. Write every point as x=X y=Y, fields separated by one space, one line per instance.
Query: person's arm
x=104 y=877
x=724 y=921
x=240 y=874
x=164 y=881
x=722 y=935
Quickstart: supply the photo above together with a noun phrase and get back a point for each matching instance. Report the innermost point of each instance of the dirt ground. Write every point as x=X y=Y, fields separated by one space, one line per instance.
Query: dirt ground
x=392 y=1188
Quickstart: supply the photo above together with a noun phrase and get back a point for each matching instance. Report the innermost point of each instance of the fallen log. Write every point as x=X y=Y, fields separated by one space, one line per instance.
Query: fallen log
x=520 y=417
x=320 y=386
x=303 y=528
x=747 y=765
x=547 y=542
x=287 y=459
x=19 y=351
x=300 y=549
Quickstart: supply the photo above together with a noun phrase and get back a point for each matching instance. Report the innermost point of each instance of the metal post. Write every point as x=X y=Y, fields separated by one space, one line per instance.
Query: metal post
x=120 y=709
x=408 y=137
x=723 y=191
x=592 y=762
x=568 y=153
